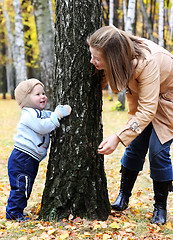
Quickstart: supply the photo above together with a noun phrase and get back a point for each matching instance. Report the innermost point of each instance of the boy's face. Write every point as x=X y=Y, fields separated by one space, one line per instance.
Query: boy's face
x=38 y=97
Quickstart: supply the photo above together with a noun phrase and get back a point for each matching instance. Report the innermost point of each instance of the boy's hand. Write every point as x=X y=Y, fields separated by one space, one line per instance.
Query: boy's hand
x=63 y=110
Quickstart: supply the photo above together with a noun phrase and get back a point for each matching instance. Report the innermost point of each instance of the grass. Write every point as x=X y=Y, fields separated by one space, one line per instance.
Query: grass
x=133 y=223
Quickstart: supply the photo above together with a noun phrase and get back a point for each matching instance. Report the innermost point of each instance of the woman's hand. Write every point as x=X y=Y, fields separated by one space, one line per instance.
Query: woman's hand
x=108 y=145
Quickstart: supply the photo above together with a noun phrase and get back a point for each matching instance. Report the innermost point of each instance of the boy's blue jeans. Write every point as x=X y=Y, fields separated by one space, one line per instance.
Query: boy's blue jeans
x=22 y=171
x=159 y=155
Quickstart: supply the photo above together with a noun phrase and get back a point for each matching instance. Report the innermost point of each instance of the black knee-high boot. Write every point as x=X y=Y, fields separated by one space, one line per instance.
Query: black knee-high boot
x=128 y=179
x=161 y=190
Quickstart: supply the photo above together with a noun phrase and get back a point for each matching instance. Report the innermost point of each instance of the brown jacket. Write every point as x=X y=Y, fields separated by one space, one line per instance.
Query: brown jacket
x=150 y=96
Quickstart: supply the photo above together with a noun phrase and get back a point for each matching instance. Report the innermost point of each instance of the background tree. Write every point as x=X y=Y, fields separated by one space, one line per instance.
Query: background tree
x=19 y=49
x=130 y=16
x=76 y=182
x=147 y=20
x=111 y=21
x=45 y=35
x=10 y=51
x=171 y=20
x=161 y=22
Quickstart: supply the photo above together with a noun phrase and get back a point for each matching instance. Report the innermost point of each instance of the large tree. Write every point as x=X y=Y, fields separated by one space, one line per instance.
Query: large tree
x=76 y=182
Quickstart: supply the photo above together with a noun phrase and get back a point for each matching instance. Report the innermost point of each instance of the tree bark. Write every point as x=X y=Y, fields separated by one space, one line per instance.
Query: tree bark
x=45 y=36
x=147 y=20
x=11 y=66
x=161 y=23
x=171 y=20
x=76 y=182
x=21 y=71
x=130 y=16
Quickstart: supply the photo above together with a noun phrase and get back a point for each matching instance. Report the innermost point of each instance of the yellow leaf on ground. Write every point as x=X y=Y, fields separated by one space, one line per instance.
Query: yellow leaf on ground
x=11 y=225
x=96 y=226
x=169 y=225
x=87 y=234
x=51 y=231
x=114 y=225
x=106 y=236
x=44 y=236
x=64 y=236
x=23 y=238
x=103 y=224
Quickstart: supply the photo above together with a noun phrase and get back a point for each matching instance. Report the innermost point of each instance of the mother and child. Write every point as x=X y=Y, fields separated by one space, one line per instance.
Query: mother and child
x=145 y=70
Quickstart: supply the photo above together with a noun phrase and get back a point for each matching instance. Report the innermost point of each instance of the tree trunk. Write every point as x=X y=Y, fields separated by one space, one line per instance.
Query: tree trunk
x=161 y=22
x=46 y=44
x=111 y=20
x=171 y=19
x=21 y=71
x=11 y=57
x=147 y=20
x=130 y=16
x=116 y=13
x=76 y=182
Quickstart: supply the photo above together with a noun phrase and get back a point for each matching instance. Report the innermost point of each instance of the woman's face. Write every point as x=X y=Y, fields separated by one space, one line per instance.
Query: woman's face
x=97 y=59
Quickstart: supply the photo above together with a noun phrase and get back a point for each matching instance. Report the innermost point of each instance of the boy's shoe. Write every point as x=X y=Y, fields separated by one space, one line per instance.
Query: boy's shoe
x=21 y=218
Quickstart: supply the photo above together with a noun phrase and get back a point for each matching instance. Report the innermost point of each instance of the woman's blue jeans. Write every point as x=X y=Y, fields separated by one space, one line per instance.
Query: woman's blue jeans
x=159 y=155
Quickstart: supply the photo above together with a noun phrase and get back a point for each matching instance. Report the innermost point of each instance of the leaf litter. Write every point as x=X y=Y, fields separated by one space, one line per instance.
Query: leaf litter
x=133 y=223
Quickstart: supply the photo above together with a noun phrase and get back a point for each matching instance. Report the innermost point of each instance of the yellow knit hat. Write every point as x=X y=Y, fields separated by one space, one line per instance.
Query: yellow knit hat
x=23 y=90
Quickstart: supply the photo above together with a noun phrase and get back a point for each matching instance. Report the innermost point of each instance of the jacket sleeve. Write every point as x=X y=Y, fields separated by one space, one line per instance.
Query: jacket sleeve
x=33 y=120
x=148 y=86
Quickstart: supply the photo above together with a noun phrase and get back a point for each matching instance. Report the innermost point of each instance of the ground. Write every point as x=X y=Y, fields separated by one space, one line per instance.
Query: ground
x=133 y=223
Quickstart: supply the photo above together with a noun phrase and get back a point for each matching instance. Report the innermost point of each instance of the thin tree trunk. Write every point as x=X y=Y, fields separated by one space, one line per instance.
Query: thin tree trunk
x=11 y=57
x=111 y=20
x=125 y=11
x=76 y=181
x=51 y=15
x=171 y=19
x=161 y=22
x=147 y=20
x=21 y=71
x=46 y=44
x=130 y=16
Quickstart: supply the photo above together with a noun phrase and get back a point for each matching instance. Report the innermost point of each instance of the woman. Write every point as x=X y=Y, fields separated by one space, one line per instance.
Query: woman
x=146 y=70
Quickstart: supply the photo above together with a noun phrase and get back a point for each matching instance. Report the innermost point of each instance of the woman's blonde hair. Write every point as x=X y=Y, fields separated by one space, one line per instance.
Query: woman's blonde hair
x=118 y=50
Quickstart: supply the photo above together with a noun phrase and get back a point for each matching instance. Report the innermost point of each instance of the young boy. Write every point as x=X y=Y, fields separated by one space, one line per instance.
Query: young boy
x=31 y=143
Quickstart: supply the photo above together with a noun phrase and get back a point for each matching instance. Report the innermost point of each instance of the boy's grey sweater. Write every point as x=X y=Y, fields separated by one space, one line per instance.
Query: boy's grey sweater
x=33 y=132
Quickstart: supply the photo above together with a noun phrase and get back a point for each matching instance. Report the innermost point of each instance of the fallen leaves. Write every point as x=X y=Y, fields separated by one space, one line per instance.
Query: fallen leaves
x=114 y=225
x=132 y=224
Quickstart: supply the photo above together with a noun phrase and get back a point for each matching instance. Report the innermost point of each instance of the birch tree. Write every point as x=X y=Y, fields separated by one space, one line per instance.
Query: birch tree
x=130 y=16
x=124 y=11
x=111 y=21
x=161 y=22
x=15 y=48
x=10 y=50
x=46 y=43
x=19 y=48
x=171 y=19
x=76 y=182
